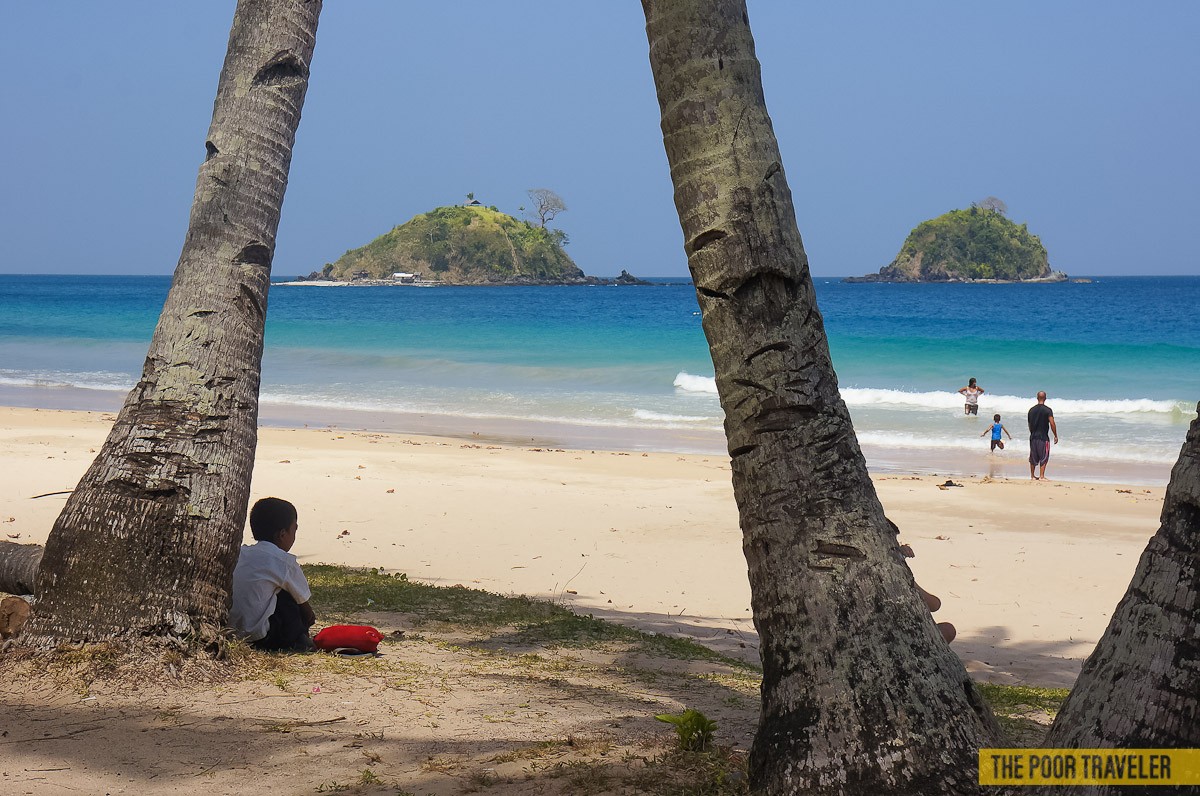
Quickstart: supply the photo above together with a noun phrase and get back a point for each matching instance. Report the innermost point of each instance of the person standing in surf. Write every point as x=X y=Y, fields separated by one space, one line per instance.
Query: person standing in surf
x=1041 y=425
x=971 y=394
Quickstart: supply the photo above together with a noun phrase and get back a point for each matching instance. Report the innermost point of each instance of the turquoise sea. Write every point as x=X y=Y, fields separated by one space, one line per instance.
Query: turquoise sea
x=628 y=367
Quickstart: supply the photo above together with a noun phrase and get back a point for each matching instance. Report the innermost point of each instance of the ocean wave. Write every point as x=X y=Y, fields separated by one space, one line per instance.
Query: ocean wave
x=98 y=380
x=1018 y=447
x=989 y=403
x=689 y=383
x=645 y=414
x=389 y=406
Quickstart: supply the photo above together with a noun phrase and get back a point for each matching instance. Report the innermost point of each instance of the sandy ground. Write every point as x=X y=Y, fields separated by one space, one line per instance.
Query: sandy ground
x=1029 y=572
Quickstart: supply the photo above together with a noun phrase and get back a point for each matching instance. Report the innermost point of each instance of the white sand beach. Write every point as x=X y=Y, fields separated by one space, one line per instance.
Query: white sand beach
x=1029 y=572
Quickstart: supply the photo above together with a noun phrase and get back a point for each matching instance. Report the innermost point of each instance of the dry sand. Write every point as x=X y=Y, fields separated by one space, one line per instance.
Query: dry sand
x=1029 y=572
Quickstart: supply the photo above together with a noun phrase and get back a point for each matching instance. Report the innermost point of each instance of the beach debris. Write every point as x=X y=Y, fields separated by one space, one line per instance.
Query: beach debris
x=391 y=491
x=14 y=613
x=285 y=461
x=51 y=494
x=948 y=484
x=362 y=467
x=1125 y=491
x=11 y=519
x=13 y=535
x=344 y=532
x=942 y=538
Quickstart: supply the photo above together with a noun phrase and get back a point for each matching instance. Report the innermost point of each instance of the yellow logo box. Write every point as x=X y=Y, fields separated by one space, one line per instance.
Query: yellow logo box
x=1089 y=766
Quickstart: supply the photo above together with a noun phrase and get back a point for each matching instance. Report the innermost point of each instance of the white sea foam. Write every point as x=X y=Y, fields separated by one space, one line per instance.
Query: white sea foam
x=645 y=414
x=97 y=380
x=314 y=283
x=501 y=410
x=1017 y=447
x=941 y=399
x=989 y=403
x=689 y=383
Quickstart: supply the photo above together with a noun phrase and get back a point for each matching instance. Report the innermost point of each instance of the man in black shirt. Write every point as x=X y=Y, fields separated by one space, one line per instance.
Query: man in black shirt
x=1041 y=425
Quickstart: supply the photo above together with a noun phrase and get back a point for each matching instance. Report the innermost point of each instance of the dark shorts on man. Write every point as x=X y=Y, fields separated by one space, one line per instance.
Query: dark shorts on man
x=1039 y=451
x=287 y=630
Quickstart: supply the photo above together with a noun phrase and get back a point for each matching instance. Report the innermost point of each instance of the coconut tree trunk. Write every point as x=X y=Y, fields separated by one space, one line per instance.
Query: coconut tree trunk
x=18 y=567
x=146 y=544
x=860 y=694
x=1140 y=688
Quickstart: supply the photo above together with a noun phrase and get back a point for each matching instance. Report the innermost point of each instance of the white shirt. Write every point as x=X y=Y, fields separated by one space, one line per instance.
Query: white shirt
x=262 y=570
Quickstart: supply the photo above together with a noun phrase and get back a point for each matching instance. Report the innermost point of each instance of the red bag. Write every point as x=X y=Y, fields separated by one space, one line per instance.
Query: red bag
x=359 y=637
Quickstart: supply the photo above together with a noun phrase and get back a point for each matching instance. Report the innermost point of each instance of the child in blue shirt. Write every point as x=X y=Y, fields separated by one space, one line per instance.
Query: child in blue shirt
x=995 y=430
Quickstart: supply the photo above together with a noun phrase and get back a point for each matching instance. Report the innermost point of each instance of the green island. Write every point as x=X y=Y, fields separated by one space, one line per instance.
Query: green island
x=464 y=245
x=978 y=244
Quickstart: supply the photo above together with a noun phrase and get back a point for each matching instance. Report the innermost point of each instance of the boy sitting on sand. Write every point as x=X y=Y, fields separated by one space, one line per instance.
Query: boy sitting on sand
x=270 y=592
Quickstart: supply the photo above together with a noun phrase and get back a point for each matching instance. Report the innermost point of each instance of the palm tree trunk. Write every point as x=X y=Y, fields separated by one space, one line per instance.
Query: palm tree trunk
x=860 y=694
x=18 y=567
x=1140 y=688
x=146 y=544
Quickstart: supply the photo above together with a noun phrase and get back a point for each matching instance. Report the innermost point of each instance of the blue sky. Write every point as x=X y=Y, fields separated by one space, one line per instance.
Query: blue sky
x=1081 y=116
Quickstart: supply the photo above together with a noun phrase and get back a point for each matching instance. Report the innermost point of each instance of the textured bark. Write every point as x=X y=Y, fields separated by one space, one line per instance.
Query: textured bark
x=146 y=544
x=860 y=693
x=1140 y=688
x=19 y=566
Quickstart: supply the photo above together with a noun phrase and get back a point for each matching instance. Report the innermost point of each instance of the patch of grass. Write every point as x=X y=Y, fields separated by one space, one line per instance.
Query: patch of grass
x=1024 y=712
x=540 y=749
x=1011 y=699
x=538 y=622
x=348 y=589
x=478 y=780
x=441 y=765
x=720 y=772
x=1023 y=732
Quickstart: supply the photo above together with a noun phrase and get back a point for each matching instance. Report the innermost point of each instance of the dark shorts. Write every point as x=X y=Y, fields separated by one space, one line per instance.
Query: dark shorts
x=997 y=444
x=287 y=630
x=971 y=409
x=1039 y=451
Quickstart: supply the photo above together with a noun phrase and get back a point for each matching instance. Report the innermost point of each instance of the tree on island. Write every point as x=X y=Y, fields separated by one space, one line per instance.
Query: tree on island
x=145 y=547
x=546 y=204
x=995 y=205
x=860 y=694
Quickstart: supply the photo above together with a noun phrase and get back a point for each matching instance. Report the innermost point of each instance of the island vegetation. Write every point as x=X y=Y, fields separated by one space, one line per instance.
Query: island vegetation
x=463 y=245
x=976 y=244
